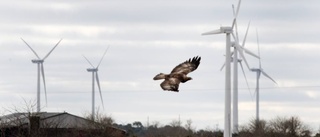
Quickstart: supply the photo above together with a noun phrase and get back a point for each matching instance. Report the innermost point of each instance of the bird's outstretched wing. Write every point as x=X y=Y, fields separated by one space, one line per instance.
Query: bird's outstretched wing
x=187 y=66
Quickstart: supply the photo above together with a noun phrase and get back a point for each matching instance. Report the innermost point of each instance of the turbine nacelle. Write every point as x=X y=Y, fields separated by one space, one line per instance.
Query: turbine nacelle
x=219 y=31
x=255 y=69
x=37 y=61
x=92 y=69
x=226 y=29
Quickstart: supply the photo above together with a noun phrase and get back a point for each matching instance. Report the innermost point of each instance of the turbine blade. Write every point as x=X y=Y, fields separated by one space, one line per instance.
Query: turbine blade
x=52 y=50
x=103 y=57
x=98 y=83
x=218 y=31
x=245 y=77
x=236 y=14
x=88 y=61
x=258 y=47
x=265 y=74
x=244 y=42
x=245 y=37
x=30 y=48
x=233 y=23
x=242 y=55
x=235 y=38
x=44 y=82
x=222 y=66
x=238 y=8
x=236 y=24
x=250 y=52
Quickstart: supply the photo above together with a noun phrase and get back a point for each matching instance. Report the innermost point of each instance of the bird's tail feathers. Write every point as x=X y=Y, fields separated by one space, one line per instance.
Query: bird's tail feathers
x=159 y=76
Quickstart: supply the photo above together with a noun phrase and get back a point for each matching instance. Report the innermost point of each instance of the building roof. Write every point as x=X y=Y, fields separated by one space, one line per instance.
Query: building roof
x=59 y=120
x=56 y=120
x=48 y=120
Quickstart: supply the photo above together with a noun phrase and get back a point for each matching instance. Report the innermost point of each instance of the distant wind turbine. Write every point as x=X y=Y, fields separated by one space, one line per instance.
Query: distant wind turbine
x=259 y=71
x=235 y=74
x=95 y=76
x=40 y=61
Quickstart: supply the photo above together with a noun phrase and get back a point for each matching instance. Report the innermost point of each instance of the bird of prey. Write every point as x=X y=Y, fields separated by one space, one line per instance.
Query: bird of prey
x=178 y=74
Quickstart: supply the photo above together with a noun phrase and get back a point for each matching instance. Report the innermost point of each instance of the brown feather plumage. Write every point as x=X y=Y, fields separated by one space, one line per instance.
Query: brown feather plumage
x=178 y=74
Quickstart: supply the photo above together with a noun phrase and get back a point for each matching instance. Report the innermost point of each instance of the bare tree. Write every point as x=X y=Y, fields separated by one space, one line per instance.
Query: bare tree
x=188 y=126
x=291 y=127
x=16 y=122
x=175 y=123
x=254 y=128
x=155 y=124
x=102 y=126
x=277 y=127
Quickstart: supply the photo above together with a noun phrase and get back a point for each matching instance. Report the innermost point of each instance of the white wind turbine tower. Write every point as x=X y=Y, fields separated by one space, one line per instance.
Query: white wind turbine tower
x=236 y=60
x=228 y=31
x=259 y=71
x=39 y=62
x=95 y=76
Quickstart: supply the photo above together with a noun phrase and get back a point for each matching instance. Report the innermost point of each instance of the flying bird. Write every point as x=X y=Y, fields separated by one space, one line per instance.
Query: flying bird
x=178 y=74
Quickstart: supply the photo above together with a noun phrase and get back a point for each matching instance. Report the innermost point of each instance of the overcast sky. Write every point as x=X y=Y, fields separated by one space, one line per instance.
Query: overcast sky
x=147 y=37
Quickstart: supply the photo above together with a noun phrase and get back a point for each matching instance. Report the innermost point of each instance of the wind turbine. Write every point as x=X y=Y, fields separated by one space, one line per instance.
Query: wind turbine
x=228 y=31
x=95 y=77
x=236 y=61
x=39 y=62
x=259 y=71
x=235 y=75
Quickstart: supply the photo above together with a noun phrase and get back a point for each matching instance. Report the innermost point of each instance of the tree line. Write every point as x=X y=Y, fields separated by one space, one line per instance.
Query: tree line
x=276 y=127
